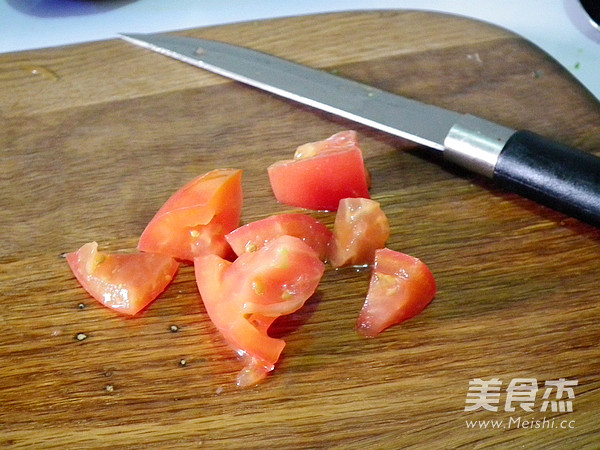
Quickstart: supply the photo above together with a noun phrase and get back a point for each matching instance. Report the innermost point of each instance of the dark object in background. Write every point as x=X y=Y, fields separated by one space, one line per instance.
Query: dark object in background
x=65 y=8
x=592 y=7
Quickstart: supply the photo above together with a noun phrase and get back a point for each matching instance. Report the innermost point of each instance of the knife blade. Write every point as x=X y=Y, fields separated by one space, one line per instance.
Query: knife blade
x=555 y=175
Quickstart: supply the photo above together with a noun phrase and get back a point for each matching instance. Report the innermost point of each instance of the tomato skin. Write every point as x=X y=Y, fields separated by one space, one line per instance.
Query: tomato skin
x=245 y=297
x=359 y=229
x=401 y=286
x=226 y=314
x=330 y=172
x=126 y=283
x=254 y=235
x=195 y=219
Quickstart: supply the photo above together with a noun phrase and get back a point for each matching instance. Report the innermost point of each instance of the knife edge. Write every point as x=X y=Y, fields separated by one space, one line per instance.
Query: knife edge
x=410 y=119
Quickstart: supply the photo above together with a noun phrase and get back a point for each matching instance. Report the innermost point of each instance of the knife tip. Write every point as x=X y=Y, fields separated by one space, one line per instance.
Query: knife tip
x=134 y=38
x=128 y=35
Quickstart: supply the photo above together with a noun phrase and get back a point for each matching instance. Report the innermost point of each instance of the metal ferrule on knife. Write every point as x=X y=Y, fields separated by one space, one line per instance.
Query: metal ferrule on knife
x=475 y=144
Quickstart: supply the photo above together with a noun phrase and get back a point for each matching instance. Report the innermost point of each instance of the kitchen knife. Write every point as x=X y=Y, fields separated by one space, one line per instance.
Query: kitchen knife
x=555 y=175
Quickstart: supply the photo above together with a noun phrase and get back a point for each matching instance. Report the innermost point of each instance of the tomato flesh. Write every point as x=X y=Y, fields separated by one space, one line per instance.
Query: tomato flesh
x=126 y=283
x=244 y=297
x=254 y=235
x=339 y=141
x=322 y=174
x=195 y=219
x=359 y=229
x=401 y=286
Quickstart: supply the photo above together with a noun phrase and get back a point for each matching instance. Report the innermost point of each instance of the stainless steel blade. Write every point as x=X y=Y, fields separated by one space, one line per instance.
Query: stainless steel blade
x=553 y=174
x=418 y=122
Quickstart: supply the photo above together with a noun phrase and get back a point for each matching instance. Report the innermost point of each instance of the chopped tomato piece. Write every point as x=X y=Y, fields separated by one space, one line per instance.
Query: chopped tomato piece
x=321 y=174
x=195 y=220
x=359 y=229
x=254 y=235
x=401 y=287
x=126 y=283
x=243 y=298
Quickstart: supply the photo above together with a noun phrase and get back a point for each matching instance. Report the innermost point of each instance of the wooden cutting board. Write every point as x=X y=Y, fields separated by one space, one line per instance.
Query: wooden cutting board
x=95 y=137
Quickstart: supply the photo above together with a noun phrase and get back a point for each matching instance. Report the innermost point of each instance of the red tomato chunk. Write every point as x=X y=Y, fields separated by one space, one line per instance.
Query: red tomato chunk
x=126 y=283
x=359 y=229
x=254 y=235
x=245 y=297
x=401 y=287
x=321 y=174
x=195 y=220
x=280 y=259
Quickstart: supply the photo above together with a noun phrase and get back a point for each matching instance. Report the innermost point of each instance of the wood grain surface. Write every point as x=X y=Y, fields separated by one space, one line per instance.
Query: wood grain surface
x=96 y=136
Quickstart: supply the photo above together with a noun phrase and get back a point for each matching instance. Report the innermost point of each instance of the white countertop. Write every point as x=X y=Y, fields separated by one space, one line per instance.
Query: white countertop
x=559 y=27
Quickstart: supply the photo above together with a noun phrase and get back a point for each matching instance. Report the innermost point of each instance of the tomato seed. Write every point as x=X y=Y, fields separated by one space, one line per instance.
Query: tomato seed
x=81 y=336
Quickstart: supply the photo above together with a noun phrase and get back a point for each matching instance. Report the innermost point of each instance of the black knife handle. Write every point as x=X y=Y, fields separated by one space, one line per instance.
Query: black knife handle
x=552 y=174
